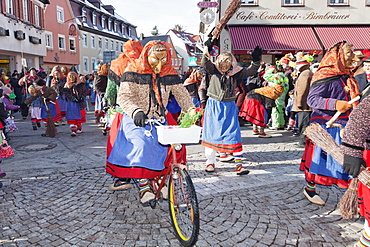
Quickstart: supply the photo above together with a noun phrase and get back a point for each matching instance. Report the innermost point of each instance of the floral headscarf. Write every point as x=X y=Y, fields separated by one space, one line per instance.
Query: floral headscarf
x=333 y=65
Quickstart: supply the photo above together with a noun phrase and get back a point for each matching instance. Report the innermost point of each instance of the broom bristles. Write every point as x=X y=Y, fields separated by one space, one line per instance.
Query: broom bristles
x=233 y=6
x=51 y=130
x=348 y=204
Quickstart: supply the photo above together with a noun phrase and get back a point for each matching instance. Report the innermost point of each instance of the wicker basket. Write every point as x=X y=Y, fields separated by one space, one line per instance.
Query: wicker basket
x=168 y=134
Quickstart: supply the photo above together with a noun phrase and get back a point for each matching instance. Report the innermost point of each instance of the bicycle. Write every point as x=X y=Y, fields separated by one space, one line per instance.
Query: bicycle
x=182 y=198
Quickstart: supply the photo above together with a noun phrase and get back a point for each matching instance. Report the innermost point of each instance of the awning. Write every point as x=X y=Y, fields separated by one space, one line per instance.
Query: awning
x=359 y=36
x=273 y=39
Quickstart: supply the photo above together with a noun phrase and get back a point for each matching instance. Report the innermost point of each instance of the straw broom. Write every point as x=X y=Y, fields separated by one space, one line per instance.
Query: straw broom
x=233 y=6
x=51 y=130
x=348 y=204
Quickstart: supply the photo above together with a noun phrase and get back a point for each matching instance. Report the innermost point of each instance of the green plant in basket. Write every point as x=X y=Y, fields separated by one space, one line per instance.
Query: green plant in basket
x=191 y=117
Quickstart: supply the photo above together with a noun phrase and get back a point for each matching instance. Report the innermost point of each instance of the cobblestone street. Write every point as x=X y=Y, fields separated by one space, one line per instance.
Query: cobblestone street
x=72 y=206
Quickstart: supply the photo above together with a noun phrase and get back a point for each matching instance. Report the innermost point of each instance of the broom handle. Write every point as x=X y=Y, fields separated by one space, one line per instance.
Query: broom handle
x=329 y=123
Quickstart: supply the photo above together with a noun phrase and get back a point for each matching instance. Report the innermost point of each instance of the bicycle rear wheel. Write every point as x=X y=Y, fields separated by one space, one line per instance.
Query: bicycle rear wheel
x=184 y=209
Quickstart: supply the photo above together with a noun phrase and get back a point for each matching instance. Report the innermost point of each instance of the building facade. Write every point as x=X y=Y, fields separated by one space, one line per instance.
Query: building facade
x=189 y=46
x=22 y=26
x=62 y=46
x=284 y=26
x=102 y=33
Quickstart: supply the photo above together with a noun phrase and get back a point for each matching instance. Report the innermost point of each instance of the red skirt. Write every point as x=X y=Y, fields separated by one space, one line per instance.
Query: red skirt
x=318 y=179
x=78 y=121
x=136 y=172
x=364 y=193
x=253 y=111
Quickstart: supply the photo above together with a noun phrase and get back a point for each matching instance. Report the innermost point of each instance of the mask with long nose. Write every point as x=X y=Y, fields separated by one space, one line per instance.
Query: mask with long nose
x=157 y=58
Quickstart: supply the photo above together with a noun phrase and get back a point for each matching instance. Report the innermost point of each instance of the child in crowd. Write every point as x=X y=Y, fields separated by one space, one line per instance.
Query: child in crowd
x=290 y=113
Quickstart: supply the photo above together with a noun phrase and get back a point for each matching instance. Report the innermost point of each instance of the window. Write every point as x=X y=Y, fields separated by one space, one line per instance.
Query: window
x=338 y=2
x=121 y=47
x=49 y=40
x=129 y=31
x=60 y=14
x=250 y=2
x=117 y=47
x=83 y=11
x=106 y=45
x=72 y=44
x=100 y=43
x=368 y=3
x=37 y=15
x=115 y=26
x=292 y=3
x=84 y=40
x=112 y=45
x=123 y=28
x=9 y=6
x=93 y=41
x=93 y=17
x=61 y=42
x=86 y=64
x=109 y=24
x=103 y=21
x=25 y=10
x=93 y=61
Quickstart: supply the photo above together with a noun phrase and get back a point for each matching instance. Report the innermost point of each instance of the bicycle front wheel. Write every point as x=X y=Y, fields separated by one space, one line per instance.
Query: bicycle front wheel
x=184 y=209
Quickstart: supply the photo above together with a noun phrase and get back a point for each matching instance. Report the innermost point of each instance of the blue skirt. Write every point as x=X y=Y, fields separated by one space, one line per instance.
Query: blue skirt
x=324 y=164
x=62 y=103
x=221 y=130
x=132 y=148
x=73 y=110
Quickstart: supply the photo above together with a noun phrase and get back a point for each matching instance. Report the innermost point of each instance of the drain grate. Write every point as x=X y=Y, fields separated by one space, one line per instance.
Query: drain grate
x=36 y=147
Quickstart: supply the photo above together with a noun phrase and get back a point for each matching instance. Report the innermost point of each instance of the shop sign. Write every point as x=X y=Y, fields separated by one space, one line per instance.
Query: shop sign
x=4 y=61
x=193 y=61
x=35 y=40
x=207 y=4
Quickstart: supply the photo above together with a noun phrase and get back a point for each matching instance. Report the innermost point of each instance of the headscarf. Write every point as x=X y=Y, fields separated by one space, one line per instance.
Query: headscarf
x=333 y=65
x=141 y=66
x=131 y=50
x=69 y=82
x=235 y=68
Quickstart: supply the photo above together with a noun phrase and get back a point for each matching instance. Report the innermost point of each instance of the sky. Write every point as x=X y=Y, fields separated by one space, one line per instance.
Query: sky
x=165 y=14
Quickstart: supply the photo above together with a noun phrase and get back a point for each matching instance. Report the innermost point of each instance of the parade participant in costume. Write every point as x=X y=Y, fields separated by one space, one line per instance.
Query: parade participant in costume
x=258 y=103
x=25 y=82
x=192 y=84
x=131 y=51
x=332 y=87
x=75 y=93
x=301 y=89
x=144 y=91
x=100 y=85
x=221 y=130
x=274 y=77
x=355 y=146
x=35 y=108
x=48 y=97
x=57 y=82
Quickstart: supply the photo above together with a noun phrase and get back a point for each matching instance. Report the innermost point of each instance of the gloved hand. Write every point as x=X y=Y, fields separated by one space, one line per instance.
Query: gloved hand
x=257 y=53
x=342 y=106
x=139 y=119
x=23 y=105
x=352 y=165
x=203 y=105
x=47 y=100
x=209 y=43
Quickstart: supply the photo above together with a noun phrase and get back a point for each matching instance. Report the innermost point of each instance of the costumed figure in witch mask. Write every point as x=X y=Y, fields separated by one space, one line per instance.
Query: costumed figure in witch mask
x=332 y=87
x=75 y=93
x=144 y=91
x=221 y=129
x=258 y=103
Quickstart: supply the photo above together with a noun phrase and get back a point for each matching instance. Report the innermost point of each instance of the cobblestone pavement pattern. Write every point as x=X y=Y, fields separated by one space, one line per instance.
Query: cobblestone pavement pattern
x=58 y=196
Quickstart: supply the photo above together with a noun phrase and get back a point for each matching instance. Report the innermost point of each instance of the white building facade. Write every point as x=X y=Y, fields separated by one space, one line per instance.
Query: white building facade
x=283 y=26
